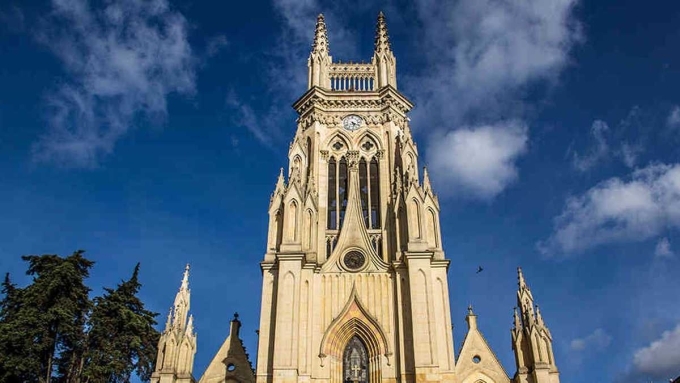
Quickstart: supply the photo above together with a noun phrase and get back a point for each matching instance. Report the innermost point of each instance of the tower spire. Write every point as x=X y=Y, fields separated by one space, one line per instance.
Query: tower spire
x=320 y=44
x=383 y=58
x=319 y=59
x=382 y=38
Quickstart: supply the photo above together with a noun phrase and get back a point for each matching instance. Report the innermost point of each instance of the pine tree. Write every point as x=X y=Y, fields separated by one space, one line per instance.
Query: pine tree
x=50 y=332
x=15 y=337
x=59 y=292
x=122 y=339
x=42 y=325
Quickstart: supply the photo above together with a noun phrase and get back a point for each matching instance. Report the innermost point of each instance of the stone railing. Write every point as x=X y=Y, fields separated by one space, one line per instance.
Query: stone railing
x=350 y=77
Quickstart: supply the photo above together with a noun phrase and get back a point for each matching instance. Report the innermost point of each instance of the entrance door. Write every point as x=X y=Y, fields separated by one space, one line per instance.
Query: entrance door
x=355 y=362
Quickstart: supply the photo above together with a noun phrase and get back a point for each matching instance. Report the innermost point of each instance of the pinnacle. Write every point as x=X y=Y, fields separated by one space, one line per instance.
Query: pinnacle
x=522 y=283
x=382 y=39
x=280 y=181
x=185 y=278
x=168 y=323
x=320 y=44
x=426 y=179
x=516 y=319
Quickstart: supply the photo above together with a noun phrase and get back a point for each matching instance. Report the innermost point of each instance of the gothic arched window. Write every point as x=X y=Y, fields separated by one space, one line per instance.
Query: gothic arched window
x=369 y=189
x=363 y=191
x=355 y=362
x=374 y=196
x=343 y=190
x=310 y=159
x=332 y=195
x=337 y=192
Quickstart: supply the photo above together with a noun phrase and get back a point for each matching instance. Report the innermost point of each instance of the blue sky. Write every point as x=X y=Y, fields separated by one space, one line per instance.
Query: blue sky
x=154 y=131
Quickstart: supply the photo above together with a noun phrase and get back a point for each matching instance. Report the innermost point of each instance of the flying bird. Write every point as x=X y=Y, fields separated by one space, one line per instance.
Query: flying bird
x=480 y=269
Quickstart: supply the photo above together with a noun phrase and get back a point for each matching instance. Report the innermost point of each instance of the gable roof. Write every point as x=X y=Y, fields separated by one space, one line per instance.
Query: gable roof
x=477 y=359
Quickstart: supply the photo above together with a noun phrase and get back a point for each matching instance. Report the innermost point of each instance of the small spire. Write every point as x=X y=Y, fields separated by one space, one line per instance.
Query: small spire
x=518 y=324
x=320 y=44
x=168 y=323
x=190 y=325
x=382 y=39
x=185 y=278
x=280 y=181
x=539 y=317
x=522 y=283
x=426 y=180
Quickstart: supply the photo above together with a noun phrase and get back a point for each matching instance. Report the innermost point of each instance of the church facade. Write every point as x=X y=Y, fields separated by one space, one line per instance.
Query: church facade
x=354 y=278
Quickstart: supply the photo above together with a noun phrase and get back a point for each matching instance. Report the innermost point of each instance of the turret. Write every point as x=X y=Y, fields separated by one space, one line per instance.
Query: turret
x=531 y=340
x=383 y=58
x=177 y=345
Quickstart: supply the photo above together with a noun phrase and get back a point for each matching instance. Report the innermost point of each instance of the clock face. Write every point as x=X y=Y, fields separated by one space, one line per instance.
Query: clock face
x=352 y=122
x=354 y=260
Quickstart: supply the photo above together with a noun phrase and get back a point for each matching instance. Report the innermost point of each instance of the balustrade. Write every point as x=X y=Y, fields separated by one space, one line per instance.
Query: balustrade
x=352 y=77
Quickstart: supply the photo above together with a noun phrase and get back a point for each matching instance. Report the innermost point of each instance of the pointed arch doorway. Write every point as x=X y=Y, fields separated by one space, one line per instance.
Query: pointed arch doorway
x=355 y=362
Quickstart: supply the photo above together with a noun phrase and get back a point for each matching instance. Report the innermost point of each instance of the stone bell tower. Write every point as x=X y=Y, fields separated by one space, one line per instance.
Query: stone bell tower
x=354 y=275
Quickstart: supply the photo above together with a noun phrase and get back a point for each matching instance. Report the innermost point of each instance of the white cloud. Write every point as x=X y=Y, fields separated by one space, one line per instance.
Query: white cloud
x=479 y=161
x=245 y=116
x=629 y=154
x=607 y=143
x=598 y=152
x=597 y=340
x=661 y=359
x=663 y=248
x=617 y=210
x=673 y=120
x=482 y=52
x=124 y=58
x=482 y=56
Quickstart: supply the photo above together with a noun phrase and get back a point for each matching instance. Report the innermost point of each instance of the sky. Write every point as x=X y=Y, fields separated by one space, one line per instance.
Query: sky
x=153 y=132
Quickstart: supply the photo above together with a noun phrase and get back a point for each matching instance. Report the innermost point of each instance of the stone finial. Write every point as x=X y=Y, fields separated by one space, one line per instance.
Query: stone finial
x=382 y=39
x=185 y=278
x=471 y=319
x=320 y=44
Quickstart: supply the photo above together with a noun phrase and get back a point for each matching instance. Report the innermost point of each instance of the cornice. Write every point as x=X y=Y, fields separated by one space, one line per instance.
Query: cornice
x=387 y=97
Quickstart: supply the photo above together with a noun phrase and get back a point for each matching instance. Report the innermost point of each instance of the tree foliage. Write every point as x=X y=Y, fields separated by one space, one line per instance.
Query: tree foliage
x=51 y=331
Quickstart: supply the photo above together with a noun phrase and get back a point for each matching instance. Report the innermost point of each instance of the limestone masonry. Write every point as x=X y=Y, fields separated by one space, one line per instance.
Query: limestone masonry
x=354 y=278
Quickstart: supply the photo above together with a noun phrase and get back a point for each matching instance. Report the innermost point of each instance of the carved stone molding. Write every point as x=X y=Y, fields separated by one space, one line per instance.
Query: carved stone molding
x=352 y=158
